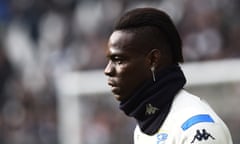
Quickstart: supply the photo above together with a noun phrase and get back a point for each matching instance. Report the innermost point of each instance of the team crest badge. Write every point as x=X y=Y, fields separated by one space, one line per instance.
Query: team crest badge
x=161 y=138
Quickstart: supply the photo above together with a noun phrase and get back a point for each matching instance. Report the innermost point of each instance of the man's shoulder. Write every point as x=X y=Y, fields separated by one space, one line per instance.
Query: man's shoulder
x=186 y=102
x=190 y=119
x=194 y=119
x=188 y=111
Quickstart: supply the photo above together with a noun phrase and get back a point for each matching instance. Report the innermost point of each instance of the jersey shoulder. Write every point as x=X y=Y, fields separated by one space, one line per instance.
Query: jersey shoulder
x=189 y=121
x=197 y=121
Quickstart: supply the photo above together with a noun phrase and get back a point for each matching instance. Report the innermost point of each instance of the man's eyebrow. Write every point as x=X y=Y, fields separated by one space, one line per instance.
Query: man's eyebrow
x=111 y=55
x=114 y=55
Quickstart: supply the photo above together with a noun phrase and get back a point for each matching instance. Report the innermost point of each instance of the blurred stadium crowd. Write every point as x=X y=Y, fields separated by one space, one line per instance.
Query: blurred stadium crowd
x=40 y=40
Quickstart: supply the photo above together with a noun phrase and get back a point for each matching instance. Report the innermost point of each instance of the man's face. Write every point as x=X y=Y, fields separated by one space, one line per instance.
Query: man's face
x=127 y=67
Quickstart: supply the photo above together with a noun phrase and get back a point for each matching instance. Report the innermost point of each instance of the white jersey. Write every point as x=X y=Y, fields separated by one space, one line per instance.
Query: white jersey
x=190 y=121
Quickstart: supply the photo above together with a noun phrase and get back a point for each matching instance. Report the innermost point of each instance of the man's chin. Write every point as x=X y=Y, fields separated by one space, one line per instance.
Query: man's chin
x=117 y=97
x=120 y=98
x=117 y=94
x=115 y=91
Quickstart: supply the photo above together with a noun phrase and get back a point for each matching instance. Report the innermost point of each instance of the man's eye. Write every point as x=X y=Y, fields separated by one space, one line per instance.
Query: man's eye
x=118 y=60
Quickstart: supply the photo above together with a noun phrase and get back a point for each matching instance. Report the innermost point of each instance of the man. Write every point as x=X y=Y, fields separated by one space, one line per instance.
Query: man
x=144 y=51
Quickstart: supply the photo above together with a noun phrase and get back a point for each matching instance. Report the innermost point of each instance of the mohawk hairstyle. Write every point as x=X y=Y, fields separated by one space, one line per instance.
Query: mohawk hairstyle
x=142 y=18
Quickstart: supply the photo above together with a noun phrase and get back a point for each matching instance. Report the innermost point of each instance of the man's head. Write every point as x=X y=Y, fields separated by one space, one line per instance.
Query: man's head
x=142 y=38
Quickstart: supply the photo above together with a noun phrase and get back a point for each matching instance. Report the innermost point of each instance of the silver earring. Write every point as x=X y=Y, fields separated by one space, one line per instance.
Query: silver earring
x=153 y=73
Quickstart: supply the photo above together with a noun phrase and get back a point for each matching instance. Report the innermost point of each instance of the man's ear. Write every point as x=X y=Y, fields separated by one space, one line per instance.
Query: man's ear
x=154 y=57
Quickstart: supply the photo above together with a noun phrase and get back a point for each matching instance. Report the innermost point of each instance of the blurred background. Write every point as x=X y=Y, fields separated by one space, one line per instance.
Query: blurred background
x=42 y=41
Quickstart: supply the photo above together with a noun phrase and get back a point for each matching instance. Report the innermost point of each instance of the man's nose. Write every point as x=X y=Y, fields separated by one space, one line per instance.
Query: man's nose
x=109 y=69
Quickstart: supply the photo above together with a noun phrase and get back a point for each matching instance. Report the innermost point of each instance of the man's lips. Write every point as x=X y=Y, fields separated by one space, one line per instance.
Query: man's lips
x=112 y=83
x=114 y=86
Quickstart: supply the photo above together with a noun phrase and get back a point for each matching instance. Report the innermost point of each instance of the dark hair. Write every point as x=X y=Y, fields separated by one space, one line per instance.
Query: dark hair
x=155 y=25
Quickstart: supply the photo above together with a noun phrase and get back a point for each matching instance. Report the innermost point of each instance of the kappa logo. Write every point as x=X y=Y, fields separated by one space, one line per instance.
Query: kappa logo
x=150 y=109
x=204 y=135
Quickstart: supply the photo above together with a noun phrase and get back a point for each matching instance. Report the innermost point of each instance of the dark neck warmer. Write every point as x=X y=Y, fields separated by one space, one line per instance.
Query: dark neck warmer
x=151 y=103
